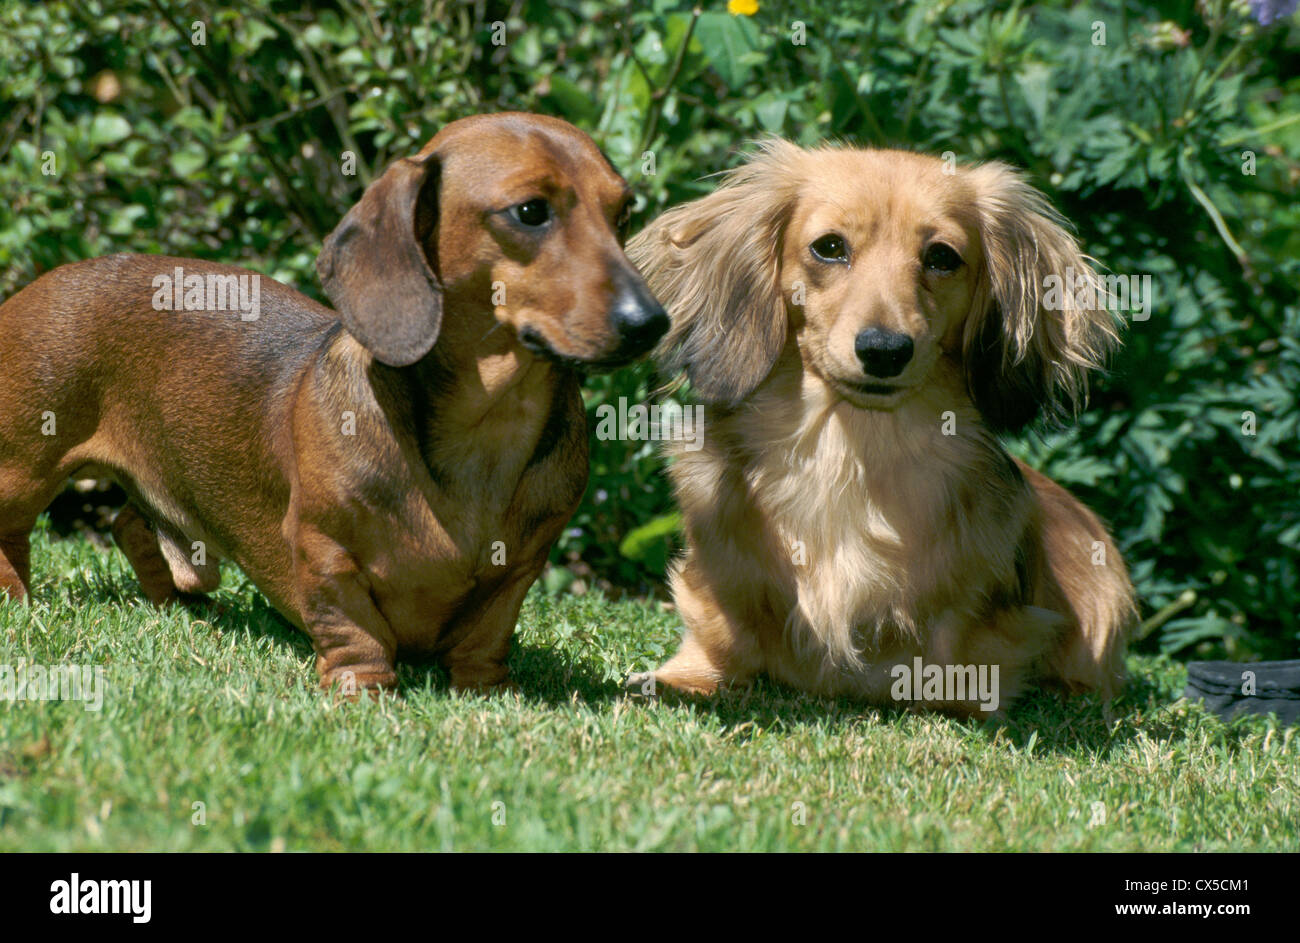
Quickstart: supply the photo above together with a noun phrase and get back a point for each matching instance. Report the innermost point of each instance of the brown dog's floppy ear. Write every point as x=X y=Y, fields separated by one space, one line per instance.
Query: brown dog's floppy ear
x=714 y=263
x=374 y=269
x=1040 y=321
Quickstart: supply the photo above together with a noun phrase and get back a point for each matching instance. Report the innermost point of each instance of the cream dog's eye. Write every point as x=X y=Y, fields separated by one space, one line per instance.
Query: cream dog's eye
x=830 y=248
x=941 y=258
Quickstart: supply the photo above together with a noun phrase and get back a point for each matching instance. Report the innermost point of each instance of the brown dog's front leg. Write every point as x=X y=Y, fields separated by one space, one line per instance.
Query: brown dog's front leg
x=477 y=662
x=355 y=646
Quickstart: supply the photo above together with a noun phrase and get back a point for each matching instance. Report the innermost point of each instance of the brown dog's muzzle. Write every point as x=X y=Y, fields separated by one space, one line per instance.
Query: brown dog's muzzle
x=634 y=322
x=637 y=318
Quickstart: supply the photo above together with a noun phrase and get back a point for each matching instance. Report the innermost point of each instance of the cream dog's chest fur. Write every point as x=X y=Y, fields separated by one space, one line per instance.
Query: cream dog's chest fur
x=838 y=488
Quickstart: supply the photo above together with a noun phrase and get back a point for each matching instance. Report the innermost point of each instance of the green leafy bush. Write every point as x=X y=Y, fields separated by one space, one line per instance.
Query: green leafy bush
x=1167 y=131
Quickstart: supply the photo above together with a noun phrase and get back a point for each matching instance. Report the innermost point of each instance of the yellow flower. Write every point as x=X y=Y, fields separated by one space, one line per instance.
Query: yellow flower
x=742 y=7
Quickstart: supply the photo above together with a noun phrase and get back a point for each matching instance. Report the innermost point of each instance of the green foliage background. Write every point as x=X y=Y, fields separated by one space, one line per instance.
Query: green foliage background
x=231 y=151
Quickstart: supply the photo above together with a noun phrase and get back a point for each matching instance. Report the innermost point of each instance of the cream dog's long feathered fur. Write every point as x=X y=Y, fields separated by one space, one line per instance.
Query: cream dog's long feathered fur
x=860 y=325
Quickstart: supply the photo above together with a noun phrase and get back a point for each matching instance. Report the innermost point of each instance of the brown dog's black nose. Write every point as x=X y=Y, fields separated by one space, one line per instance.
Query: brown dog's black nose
x=639 y=320
x=883 y=353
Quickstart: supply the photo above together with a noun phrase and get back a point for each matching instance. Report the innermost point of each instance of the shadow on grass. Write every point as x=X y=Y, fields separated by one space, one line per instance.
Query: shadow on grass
x=1053 y=722
x=540 y=673
x=1056 y=723
x=241 y=610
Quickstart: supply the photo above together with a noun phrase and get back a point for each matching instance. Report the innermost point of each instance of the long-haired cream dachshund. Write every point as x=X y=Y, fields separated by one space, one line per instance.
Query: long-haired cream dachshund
x=861 y=325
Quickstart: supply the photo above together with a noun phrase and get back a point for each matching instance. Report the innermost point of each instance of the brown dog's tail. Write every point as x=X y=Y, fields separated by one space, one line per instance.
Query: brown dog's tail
x=1084 y=577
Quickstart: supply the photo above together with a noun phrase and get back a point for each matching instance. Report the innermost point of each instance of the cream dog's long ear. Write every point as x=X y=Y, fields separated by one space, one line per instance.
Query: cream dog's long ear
x=1040 y=323
x=714 y=264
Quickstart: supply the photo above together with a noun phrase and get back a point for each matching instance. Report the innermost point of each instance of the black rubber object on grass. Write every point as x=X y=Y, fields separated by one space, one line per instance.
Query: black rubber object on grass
x=1227 y=689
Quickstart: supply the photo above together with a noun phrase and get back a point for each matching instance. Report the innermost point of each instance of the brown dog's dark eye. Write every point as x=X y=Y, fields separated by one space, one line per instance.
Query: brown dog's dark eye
x=830 y=248
x=624 y=218
x=941 y=258
x=532 y=213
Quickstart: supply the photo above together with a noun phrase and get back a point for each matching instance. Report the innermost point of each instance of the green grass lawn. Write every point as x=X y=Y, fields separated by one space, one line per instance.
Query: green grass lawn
x=221 y=709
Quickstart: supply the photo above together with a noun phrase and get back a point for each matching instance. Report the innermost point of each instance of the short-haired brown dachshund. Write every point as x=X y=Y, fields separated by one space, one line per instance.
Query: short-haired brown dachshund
x=392 y=475
x=860 y=325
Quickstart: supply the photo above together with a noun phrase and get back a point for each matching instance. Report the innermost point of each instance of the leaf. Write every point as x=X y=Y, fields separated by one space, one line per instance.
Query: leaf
x=571 y=101
x=639 y=541
x=771 y=114
x=122 y=221
x=557 y=580
x=1035 y=81
x=108 y=128
x=1180 y=633
x=252 y=33
x=1083 y=470
x=187 y=162
x=724 y=40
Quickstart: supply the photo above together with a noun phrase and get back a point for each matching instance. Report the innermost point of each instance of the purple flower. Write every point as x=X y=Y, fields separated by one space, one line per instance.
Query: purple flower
x=1267 y=12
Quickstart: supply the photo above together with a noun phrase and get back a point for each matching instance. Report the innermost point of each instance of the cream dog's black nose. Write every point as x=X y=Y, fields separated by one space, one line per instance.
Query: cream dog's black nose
x=883 y=353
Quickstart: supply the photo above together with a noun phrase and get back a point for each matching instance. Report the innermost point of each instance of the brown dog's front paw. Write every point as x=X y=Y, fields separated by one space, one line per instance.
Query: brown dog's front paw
x=506 y=687
x=350 y=682
x=481 y=679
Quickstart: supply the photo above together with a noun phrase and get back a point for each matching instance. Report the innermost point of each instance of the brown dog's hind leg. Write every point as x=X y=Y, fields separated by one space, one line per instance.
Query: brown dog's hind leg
x=15 y=567
x=136 y=539
x=22 y=498
x=191 y=579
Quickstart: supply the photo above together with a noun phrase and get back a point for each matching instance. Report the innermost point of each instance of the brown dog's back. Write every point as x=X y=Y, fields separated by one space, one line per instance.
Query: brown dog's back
x=102 y=382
